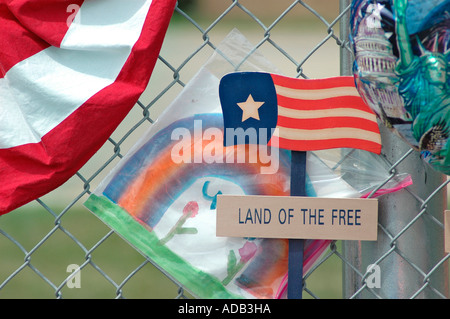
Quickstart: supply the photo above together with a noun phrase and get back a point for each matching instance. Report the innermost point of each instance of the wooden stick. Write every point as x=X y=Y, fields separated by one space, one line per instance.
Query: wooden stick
x=295 y=264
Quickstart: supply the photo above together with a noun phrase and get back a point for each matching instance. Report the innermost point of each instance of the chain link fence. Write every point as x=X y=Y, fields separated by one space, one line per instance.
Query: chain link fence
x=55 y=248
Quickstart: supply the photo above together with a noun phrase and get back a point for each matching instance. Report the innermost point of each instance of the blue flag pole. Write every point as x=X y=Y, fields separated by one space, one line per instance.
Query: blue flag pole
x=295 y=263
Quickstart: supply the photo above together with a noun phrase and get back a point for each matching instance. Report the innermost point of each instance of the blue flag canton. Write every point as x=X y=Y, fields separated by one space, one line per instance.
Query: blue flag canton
x=249 y=106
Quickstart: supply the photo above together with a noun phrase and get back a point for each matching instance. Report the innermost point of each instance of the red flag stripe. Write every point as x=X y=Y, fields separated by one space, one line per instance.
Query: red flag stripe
x=328 y=122
x=18 y=43
x=326 y=113
x=57 y=14
x=309 y=94
x=313 y=84
x=337 y=102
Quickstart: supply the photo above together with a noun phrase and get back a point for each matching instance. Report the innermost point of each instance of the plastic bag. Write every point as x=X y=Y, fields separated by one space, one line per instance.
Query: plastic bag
x=161 y=197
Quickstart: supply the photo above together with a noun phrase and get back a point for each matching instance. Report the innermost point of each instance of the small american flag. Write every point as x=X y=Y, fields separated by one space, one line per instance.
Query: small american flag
x=299 y=114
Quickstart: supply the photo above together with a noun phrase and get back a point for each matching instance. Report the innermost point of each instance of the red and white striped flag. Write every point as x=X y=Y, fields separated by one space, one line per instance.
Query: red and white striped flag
x=315 y=114
x=298 y=114
x=70 y=71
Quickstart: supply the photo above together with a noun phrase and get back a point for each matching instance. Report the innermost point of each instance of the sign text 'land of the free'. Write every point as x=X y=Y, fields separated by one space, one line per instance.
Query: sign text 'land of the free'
x=297 y=217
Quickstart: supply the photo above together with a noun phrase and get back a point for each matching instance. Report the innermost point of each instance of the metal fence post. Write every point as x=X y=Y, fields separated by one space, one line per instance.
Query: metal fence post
x=410 y=232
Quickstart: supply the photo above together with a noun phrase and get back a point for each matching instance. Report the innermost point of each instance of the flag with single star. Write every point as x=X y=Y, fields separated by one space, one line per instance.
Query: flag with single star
x=296 y=114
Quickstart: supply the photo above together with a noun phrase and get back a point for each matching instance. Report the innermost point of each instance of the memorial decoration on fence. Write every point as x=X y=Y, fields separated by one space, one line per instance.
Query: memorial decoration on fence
x=298 y=115
x=162 y=197
x=402 y=70
x=70 y=71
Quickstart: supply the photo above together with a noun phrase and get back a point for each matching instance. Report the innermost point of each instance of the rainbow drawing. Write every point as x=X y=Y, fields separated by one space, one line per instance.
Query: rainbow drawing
x=165 y=207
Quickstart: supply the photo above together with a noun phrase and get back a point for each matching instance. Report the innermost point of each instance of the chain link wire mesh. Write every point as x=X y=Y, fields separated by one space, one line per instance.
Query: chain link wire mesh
x=46 y=244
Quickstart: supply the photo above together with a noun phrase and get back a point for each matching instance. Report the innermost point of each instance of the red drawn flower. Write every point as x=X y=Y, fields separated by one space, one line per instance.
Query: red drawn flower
x=191 y=209
x=247 y=251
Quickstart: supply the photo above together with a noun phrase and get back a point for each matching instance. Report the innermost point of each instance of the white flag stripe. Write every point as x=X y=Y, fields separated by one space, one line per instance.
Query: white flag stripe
x=316 y=114
x=53 y=83
x=12 y=118
x=318 y=94
x=327 y=134
x=98 y=29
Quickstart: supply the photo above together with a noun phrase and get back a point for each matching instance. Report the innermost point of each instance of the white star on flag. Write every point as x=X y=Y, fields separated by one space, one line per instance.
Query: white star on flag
x=250 y=108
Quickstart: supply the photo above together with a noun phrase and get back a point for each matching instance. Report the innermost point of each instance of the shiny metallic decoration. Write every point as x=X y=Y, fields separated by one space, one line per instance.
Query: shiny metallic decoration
x=402 y=70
